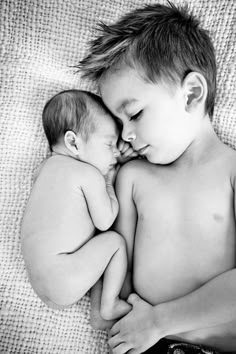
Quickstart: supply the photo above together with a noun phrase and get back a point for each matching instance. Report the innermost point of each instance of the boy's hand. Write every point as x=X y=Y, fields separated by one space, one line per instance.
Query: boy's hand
x=126 y=152
x=137 y=331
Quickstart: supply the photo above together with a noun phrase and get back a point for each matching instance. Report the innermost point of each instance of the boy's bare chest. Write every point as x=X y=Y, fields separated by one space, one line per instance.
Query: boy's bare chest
x=186 y=204
x=186 y=230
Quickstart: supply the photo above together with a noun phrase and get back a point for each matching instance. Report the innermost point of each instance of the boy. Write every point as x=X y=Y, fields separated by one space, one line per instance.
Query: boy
x=156 y=73
x=72 y=195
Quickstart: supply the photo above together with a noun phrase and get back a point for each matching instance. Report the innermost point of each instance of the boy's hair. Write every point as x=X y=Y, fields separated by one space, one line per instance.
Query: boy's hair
x=71 y=110
x=163 y=42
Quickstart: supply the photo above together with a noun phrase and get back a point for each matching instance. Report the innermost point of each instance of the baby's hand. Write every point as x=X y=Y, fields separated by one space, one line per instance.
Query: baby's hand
x=126 y=152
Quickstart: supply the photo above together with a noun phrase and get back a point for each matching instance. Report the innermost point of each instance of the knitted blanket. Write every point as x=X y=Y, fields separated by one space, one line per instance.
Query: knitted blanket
x=40 y=41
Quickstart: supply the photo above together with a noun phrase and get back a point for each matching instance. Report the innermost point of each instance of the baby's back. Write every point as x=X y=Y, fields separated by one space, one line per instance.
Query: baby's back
x=56 y=218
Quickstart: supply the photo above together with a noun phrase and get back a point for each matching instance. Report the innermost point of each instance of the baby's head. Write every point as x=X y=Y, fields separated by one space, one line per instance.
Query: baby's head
x=78 y=124
x=149 y=53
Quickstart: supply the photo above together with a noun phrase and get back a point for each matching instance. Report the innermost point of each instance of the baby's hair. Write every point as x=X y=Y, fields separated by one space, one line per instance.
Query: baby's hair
x=161 y=42
x=73 y=110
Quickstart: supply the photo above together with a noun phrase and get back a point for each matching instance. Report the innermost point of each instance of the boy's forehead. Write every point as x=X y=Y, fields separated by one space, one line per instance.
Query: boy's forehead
x=121 y=87
x=126 y=86
x=124 y=103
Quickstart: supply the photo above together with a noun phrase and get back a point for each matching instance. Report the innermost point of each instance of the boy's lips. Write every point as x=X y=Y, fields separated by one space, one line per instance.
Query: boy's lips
x=142 y=150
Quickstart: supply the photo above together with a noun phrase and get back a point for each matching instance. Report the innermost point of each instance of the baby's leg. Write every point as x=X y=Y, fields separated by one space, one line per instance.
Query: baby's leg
x=72 y=275
x=96 y=319
x=112 y=307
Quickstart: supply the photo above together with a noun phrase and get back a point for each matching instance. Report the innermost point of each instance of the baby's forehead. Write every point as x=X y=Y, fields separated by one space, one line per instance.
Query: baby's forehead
x=105 y=122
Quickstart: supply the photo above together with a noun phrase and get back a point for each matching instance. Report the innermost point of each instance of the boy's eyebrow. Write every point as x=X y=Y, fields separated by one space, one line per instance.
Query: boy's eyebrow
x=125 y=103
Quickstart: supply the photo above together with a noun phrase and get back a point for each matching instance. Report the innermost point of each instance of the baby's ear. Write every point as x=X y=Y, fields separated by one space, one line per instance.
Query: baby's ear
x=195 y=91
x=71 y=141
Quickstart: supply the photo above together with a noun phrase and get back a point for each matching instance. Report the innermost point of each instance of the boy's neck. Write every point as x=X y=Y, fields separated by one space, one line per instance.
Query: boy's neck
x=203 y=148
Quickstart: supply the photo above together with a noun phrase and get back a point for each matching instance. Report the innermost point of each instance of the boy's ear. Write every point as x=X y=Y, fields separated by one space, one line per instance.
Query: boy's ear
x=71 y=142
x=195 y=91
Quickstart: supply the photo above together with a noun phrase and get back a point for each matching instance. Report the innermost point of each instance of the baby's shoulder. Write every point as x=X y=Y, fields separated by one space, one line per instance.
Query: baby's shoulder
x=68 y=168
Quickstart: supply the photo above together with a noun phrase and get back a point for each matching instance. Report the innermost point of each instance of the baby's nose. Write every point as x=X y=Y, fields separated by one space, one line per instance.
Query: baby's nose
x=116 y=152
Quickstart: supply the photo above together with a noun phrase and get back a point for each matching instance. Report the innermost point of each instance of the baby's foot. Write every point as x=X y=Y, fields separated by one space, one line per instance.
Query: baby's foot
x=115 y=310
x=98 y=322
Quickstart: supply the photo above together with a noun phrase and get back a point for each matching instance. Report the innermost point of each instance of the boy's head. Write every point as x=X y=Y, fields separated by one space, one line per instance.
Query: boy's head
x=156 y=60
x=78 y=123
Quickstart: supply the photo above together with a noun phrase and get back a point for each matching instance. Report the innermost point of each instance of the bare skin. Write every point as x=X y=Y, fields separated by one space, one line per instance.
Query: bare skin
x=176 y=214
x=63 y=256
x=187 y=237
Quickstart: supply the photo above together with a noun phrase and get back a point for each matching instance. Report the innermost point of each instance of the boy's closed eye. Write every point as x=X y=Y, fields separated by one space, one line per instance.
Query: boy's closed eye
x=136 y=116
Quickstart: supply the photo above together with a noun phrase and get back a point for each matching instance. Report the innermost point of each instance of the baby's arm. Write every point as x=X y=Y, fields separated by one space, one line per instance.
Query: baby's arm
x=125 y=224
x=100 y=197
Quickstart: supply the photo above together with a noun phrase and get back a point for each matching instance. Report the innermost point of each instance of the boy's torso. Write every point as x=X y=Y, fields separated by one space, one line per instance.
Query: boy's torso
x=186 y=231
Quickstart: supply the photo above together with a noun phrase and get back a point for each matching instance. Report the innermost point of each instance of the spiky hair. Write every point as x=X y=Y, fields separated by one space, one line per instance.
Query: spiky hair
x=160 y=41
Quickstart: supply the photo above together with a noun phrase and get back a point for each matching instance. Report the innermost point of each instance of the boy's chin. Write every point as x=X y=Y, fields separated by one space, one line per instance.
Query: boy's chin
x=161 y=160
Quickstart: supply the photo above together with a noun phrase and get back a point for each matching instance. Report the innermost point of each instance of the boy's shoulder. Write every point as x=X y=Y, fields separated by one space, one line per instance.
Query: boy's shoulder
x=134 y=169
x=229 y=161
x=228 y=156
x=225 y=163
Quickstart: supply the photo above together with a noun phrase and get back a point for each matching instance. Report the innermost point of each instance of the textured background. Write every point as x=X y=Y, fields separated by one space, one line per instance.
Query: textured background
x=40 y=41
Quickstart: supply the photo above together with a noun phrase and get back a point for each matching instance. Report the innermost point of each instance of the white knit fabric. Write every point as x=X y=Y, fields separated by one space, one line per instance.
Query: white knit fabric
x=40 y=41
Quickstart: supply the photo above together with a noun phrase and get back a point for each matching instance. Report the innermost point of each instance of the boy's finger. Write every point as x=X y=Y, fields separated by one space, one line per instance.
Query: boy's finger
x=122 y=348
x=115 y=329
x=114 y=341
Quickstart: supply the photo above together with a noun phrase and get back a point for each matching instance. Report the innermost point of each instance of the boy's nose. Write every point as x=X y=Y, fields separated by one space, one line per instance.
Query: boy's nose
x=128 y=136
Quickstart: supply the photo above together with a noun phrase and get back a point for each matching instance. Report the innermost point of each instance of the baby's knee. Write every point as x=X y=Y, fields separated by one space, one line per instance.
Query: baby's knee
x=117 y=240
x=55 y=291
x=51 y=304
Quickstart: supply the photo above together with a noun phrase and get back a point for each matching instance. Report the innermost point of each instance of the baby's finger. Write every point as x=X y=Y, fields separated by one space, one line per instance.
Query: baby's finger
x=120 y=144
x=129 y=152
x=124 y=148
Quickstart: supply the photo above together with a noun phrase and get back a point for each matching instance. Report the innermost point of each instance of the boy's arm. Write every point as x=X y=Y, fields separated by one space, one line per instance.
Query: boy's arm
x=125 y=223
x=212 y=304
x=100 y=197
